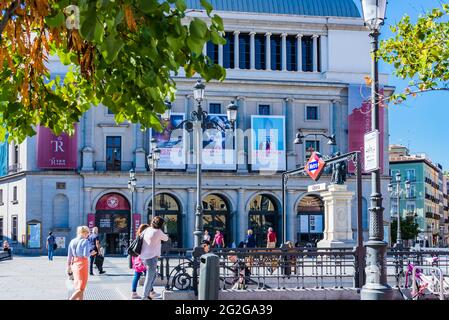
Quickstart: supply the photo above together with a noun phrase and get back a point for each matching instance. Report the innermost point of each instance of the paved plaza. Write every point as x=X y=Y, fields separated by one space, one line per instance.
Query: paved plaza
x=36 y=278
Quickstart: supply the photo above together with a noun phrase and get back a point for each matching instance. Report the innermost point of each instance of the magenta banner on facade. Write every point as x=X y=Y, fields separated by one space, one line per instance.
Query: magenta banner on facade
x=359 y=123
x=91 y=220
x=136 y=220
x=56 y=152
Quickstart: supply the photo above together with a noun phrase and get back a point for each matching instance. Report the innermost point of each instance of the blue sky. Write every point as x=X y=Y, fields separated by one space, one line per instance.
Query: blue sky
x=422 y=123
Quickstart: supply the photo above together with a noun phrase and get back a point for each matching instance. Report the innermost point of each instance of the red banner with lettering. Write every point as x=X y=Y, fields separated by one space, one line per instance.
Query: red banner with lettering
x=56 y=152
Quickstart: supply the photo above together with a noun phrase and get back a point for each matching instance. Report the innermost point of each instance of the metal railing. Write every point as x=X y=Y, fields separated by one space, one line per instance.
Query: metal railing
x=14 y=168
x=104 y=166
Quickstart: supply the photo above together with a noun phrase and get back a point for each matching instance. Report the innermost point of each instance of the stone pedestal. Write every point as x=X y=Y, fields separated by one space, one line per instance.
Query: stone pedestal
x=337 y=212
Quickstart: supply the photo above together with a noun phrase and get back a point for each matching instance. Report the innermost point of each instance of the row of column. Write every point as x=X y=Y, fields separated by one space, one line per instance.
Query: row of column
x=268 y=35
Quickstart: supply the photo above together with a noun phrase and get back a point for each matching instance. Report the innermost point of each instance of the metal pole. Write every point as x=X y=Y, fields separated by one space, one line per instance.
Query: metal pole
x=199 y=205
x=376 y=287
x=284 y=218
x=153 y=206
x=398 y=236
x=360 y=248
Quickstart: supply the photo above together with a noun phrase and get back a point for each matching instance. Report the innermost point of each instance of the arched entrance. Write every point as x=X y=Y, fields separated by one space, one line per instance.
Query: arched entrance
x=168 y=208
x=310 y=220
x=216 y=216
x=112 y=217
x=262 y=215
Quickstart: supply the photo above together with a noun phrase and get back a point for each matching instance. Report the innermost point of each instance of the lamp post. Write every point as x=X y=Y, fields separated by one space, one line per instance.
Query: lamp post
x=198 y=122
x=152 y=159
x=376 y=286
x=132 y=187
x=397 y=194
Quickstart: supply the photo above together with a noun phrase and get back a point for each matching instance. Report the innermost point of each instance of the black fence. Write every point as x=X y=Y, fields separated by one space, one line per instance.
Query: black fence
x=295 y=268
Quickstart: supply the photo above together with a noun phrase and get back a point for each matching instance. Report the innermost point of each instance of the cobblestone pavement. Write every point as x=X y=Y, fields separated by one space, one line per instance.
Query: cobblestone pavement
x=37 y=278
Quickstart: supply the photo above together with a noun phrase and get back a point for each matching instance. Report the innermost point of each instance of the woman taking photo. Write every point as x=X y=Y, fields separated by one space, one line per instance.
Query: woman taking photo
x=78 y=262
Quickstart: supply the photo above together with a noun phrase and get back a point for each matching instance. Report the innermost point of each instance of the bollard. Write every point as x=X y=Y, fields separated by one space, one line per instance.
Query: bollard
x=209 y=282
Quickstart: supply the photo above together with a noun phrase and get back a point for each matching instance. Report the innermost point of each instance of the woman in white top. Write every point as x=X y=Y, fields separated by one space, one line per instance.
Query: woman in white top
x=206 y=236
x=151 y=250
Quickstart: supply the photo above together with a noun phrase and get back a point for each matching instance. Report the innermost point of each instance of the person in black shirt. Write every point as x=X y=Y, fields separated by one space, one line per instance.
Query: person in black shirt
x=94 y=248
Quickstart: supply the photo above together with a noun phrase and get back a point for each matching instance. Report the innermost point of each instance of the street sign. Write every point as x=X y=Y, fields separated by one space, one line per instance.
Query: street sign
x=371 y=145
x=316 y=187
x=315 y=166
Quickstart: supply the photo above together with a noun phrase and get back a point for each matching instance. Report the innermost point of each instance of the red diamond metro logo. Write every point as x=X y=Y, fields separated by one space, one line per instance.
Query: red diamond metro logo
x=315 y=166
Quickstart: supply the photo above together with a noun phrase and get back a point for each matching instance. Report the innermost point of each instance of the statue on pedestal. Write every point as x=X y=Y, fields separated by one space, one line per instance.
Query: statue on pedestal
x=339 y=170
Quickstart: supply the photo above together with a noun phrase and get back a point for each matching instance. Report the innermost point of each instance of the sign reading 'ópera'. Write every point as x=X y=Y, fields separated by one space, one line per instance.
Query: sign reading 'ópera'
x=315 y=166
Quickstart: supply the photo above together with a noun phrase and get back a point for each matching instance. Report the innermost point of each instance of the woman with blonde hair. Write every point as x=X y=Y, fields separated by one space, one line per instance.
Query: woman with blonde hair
x=78 y=261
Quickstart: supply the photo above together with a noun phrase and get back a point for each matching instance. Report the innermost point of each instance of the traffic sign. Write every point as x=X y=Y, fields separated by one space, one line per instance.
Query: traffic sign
x=315 y=166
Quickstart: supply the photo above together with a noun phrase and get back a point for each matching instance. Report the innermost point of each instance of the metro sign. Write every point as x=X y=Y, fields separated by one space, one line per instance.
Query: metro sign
x=315 y=166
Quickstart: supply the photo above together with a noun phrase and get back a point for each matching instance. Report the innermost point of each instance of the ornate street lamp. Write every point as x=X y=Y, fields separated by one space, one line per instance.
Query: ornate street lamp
x=376 y=286
x=132 y=182
x=167 y=114
x=152 y=159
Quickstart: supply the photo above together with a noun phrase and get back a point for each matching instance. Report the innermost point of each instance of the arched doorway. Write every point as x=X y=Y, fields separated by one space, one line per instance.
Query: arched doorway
x=168 y=208
x=262 y=215
x=310 y=220
x=112 y=217
x=216 y=216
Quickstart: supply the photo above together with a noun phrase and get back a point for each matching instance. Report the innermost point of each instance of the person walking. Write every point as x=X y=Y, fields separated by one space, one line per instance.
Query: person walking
x=151 y=250
x=271 y=238
x=206 y=236
x=94 y=249
x=250 y=239
x=77 y=262
x=138 y=266
x=218 y=240
x=50 y=245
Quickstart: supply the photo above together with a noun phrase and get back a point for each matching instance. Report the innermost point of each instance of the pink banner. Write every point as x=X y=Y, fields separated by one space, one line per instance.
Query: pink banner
x=56 y=152
x=136 y=221
x=91 y=220
x=359 y=119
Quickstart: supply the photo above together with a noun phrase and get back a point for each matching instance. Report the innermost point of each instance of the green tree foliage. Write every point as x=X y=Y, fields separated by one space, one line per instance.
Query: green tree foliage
x=121 y=53
x=420 y=51
x=409 y=229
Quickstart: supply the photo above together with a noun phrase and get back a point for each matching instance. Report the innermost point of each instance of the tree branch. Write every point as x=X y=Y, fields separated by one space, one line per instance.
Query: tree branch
x=8 y=13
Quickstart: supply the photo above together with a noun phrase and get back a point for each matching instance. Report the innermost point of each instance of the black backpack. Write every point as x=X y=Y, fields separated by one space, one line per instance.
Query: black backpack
x=135 y=248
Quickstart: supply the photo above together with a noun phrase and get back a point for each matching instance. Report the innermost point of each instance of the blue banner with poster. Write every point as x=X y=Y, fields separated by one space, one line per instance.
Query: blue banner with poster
x=4 y=157
x=268 y=143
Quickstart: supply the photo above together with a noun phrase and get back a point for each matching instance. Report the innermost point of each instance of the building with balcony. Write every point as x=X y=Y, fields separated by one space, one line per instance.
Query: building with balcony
x=427 y=198
x=290 y=65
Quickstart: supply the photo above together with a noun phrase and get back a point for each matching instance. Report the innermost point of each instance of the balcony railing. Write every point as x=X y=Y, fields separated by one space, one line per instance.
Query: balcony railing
x=429 y=215
x=14 y=168
x=122 y=166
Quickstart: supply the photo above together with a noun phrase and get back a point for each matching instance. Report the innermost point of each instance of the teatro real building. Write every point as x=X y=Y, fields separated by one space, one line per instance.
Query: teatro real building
x=290 y=65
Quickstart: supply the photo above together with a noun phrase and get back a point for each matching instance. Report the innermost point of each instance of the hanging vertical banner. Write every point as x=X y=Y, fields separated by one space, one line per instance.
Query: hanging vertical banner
x=56 y=152
x=136 y=222
x=171 y=143
x=91 y=220
x=4 y=157
x=218 y=146
x=268 y=143
x=359 y=123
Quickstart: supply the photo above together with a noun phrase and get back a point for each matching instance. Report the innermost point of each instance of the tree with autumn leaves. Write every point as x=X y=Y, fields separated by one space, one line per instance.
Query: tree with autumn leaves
x=120 y=53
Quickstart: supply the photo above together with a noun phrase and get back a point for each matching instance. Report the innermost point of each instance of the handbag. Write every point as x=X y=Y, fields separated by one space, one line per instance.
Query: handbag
x=135 y=248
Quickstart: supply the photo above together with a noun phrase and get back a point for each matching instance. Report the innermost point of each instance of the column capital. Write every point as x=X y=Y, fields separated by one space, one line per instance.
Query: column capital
x=284 y=35
x=189 y=96
x=239 y=98
x=140 y=189
x=242 y=190
x=252 y=33
x=290 y=191
x=336 y=101
x=299 y=35
x=236 y=33
x=268 y=34
x=289 y=99
x=88 y=189
x=191 y=190
x=315 y=36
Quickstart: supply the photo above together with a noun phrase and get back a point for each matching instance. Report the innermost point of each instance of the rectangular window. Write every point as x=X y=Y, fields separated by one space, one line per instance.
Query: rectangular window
x=228 y=51
x=412 y=191
x=394 y=209
x=14 y=228
x=260 y=49
x=292 y=53
x=113 y=153
x=311 y=146
x=1 y=197
x=307 y=54
x=312 y=113
x=212 y=51
x=215 y=108
x=14 y=194
x=264 y=110
x=318 y=48
x=1 y=228
x=276 y=56
x=411 y=207
x=60 y=185
x=244 y=51
x=16 y=154
x=410 y=175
